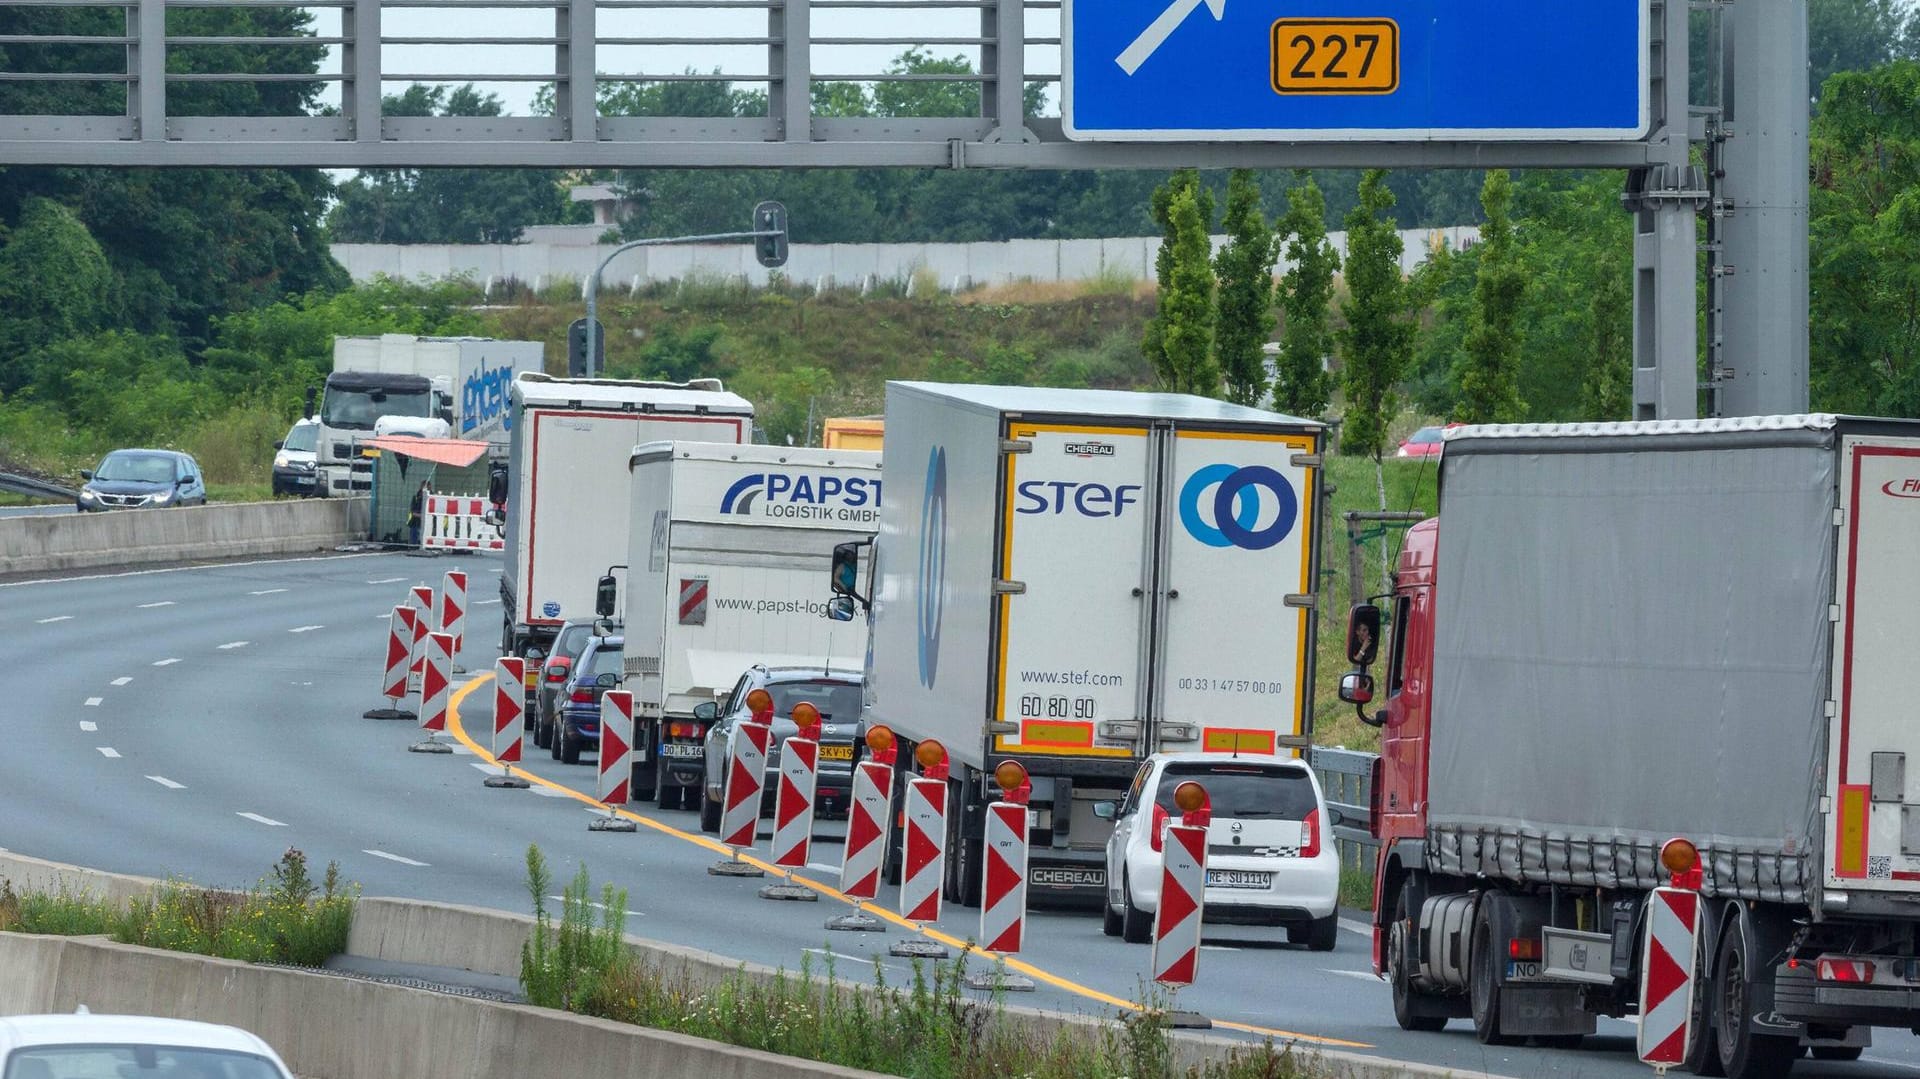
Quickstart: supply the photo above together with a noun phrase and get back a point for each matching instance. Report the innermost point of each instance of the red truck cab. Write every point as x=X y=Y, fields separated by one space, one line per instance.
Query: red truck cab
x=1400 y=786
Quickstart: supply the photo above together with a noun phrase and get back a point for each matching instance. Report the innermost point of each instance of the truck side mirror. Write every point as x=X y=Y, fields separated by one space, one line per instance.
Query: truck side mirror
x=497 y=486
x=846 y=570
x=840 y=608
x=1363 y=634
x=605 y=596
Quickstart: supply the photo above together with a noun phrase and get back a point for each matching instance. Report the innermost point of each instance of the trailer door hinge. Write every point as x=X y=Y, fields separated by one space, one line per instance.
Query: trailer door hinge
x=1016 y=445
x=1297 y=600
x=1306 y=460
x=1839 y=517
x=1009 y=588
x=1830 y=709
x=1833 y=612
x=1003 y=728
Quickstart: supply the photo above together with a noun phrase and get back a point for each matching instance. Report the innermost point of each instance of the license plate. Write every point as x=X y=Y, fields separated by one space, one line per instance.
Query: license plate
x=680 y=751
x=1238 y=878
x=1336 y=56
x=836 y=753
x=1520 y=968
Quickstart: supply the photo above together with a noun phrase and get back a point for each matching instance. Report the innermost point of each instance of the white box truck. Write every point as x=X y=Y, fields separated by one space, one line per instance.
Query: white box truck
x=1074 y=579
x=462 y=380
x=566 y=485
x=726 y=549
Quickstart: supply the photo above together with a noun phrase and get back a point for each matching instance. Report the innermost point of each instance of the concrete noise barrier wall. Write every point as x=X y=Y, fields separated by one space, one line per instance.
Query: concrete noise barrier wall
x=116 y=538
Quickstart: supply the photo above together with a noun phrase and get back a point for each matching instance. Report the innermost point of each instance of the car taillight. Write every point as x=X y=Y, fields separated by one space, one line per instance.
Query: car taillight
x=557 y=672
x=581 y=696
x=1310 y=835
x=1157 y=836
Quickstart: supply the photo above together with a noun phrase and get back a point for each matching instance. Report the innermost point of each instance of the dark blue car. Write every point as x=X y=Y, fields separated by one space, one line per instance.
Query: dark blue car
x=596 y=671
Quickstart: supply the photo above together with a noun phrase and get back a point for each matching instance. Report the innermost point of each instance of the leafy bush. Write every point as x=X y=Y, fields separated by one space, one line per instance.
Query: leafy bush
x=285 y=919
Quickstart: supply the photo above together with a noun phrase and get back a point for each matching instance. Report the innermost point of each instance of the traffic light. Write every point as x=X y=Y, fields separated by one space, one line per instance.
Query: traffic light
x=577 y=349
x=771 y=218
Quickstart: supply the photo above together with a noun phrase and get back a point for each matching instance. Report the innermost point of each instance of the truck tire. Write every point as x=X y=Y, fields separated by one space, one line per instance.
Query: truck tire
x=569 y=746
x=1743 y=1053
x=964 y=852
x=1136 y=925
x=1483 y=983
x=1406 y=998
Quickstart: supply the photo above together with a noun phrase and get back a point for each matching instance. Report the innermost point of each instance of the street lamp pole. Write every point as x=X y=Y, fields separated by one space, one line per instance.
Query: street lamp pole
x=593 y=283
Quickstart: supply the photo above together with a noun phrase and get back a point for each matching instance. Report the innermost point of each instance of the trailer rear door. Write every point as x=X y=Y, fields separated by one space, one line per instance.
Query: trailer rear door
x=1873 y=828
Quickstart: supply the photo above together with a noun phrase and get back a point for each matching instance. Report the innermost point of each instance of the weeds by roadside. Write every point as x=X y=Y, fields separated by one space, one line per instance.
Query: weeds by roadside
x=928 y=1028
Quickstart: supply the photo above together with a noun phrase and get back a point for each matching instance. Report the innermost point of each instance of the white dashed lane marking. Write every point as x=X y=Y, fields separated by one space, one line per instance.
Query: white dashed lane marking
x=258 y=819
x=55 y=618
x=166 y=662
x=305 y=629
x=93 y=702
x=121 y=681
x=266 y=592
x=107 y=751
x=388 y=580
x=89 y=726
x=231 y=645
x=394 y=858
x=162 y=603
x=168 y=783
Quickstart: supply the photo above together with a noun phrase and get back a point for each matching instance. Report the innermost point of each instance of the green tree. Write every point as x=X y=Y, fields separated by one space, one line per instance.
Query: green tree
x=1186 y=181
x=1244 y=307
x=1487 y=368
x=1186 y=308
x=1606 y=392
x=54 y=283
x=1853 y=35
x=1377 y=340
x=1301 y=385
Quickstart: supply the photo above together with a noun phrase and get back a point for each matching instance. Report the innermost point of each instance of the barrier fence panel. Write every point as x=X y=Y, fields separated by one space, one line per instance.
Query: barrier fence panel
x=1346 y=776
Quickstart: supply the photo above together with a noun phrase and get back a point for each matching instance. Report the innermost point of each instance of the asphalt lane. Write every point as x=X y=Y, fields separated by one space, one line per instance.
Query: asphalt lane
x=32 y=511
x=199 y=722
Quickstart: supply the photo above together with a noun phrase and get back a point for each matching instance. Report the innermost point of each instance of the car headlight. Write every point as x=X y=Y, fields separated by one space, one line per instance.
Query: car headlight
x=280 y=461
x=162 y=496
x=86 y=495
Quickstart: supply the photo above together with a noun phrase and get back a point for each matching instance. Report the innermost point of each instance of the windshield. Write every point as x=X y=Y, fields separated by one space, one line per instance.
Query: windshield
x=1243 y=791
x=1425 y=435
x=135 y=467
x=572 y=639
x=357 y=409
x=838 y=702
x=304 y=436
x=134 y=1062
x=605 y=660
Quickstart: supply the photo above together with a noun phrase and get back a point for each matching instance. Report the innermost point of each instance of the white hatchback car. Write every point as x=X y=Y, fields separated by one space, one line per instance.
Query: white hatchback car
x=87 y=1046
x=1270 y=854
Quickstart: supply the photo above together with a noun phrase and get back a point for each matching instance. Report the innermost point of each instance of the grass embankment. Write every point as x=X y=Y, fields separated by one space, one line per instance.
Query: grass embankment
x=929 y=1028
x=285 y=918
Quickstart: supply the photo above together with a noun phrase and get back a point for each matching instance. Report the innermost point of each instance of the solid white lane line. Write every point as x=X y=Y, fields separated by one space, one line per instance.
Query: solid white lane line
x=258 y=819
x=231 y=645
x=305 y=629
x=55 y=618
x=388 y=580
x=484 y=602
x=549 y=792
x=394 y=858
x=819 y=867
x=1356 y=927
x=107 y=751
x=168 y=783
x=597 y=906
x=1360 y=974
x=89 y=726
x=162 y=603
x=266 y=592
x=167 y=662
x=93 y=702
x=182 y=569
x=120 y=681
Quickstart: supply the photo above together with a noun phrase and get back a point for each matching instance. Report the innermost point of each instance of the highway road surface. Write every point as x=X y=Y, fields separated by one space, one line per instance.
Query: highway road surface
x=198 y=722
x=27 y=511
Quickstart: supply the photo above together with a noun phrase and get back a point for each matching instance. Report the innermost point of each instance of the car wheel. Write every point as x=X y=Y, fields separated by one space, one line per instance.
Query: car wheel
x=1136 y=925
x=569 y=745
x=1109 y=918
x=709 y=812
x=1323 y=933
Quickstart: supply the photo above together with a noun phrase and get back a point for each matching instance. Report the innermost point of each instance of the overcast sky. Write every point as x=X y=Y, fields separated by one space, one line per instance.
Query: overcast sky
x=458 y=61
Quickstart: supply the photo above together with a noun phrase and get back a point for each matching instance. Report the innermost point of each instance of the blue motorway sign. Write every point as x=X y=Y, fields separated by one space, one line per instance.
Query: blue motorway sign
x=1354 y=70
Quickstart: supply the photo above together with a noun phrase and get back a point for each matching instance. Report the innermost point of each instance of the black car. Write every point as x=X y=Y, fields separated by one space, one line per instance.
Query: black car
x=577 y=723
x=838 y=694
x=294 y=463
x=133 y=479
x=553 y=672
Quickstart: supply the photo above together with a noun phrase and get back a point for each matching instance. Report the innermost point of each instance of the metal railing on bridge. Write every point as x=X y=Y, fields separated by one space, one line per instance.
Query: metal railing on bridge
x=1346 y=776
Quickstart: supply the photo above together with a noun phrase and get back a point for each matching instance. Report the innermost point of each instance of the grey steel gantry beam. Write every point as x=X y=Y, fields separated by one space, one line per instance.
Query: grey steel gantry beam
x=1665 y=198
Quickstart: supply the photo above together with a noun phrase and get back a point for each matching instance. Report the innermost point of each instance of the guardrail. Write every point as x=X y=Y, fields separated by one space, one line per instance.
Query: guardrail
x=33 y=488
x=1346 y=776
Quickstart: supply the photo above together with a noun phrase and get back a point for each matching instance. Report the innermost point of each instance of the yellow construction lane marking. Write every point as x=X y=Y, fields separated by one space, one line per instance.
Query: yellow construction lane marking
x=458 y=730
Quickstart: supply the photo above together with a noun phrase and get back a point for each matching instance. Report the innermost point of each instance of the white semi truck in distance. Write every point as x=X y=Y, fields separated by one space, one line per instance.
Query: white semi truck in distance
x=461 y=380
x=1075 y=579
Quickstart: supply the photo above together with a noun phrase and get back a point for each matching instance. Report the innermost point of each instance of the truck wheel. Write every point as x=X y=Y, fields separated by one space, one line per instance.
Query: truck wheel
x=1743 y=1053
x=709 y=811
x=1401 y=979
x=569 y=745
x=1136 y=925
x=1483 y=984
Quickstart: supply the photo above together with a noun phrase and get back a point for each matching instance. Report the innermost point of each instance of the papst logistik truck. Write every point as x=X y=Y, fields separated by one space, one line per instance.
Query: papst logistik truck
x=1075 y=579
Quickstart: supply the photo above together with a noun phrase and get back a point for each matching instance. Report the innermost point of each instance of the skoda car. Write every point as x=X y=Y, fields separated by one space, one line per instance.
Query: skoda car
x=1270 y=855
x=836 y=693
x=63 y=1046
x=132 y=479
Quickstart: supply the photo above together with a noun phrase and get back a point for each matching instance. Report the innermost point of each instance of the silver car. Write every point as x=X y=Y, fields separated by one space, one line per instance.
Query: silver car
x=63 y=1046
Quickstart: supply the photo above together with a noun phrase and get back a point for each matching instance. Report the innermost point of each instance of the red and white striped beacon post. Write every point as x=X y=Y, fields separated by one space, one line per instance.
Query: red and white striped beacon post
x=1183 y=883
x=869 y=823
x=616 y=759
x=453 y=611
x=509 y=704
x=393 y=677
x=1667 y=961
x=420 y=597
x=926 y=838
x=793 y=803
x=746 y=776
x=436 y=689
x=1003 y=891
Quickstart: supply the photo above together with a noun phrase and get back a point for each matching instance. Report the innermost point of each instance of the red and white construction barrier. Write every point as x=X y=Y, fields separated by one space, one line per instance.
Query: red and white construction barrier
x=793 y=802
x=1666 y=976
x=436 y=682
x=926 y=849
x=458 y=522
x=1003 y=897
x=1176 y=924
x=616 y=746
x=868 y=823
x=420 y=598
x=746 y=774
x=453 y=608
x=509 y=704
x=394 y=671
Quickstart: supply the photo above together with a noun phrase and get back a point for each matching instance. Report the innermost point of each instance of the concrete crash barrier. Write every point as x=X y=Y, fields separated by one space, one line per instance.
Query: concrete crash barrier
x=40 y=543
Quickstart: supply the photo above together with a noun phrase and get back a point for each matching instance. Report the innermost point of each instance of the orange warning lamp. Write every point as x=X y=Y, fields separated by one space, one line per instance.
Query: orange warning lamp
x=1012 y=777
x=1682 y=860
x=760 y=703
x=933 y=759
x=880 y=742
x=807 y=718
x=1196 y=810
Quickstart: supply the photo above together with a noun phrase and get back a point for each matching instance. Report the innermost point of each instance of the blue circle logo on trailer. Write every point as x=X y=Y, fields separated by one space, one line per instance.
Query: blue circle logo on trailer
x=550 y=609
x=933 y=564
x=1238 y=502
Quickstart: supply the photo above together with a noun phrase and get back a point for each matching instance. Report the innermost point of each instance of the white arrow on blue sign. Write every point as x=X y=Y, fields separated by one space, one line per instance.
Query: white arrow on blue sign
x=1355 y=70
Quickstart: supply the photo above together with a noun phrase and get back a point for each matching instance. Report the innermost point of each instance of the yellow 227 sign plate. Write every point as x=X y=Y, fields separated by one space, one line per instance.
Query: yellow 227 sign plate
x=1336 y=56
